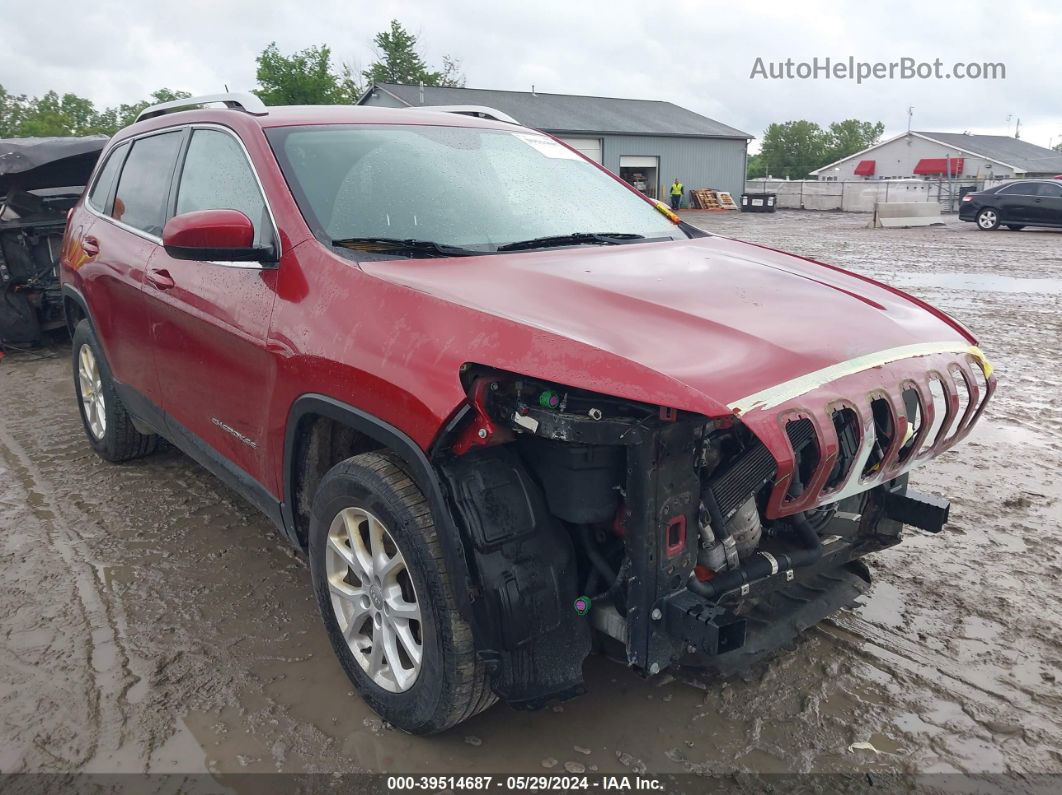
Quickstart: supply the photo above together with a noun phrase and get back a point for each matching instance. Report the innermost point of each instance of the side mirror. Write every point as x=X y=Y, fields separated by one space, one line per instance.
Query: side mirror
x=225 y=235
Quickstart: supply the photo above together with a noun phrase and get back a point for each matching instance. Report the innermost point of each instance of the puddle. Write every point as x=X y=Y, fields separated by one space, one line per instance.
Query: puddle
x=978 y=282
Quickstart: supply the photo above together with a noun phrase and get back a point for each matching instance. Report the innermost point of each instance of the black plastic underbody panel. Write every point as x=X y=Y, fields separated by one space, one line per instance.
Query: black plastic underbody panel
x=772 y=620
x=527 y=577
x=925 y=511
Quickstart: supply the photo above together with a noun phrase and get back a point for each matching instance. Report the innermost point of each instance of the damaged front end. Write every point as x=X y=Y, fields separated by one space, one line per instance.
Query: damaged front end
x=670 y=538
x=40 y=180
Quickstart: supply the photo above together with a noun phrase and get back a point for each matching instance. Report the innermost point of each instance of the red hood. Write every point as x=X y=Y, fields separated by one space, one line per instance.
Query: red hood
x=726 y=319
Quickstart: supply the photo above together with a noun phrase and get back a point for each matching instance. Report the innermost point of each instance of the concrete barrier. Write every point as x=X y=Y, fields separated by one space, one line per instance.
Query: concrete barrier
x=904 y=214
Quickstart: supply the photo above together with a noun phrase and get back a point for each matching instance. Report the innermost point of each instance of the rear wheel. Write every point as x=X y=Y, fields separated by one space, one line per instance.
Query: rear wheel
x=988 y=219
x=107 y=424
x=1015 y=227
x=386 y=598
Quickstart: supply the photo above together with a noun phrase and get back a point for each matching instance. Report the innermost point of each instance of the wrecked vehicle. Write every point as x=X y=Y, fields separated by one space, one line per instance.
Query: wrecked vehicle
x=511 y=410
x=40 y=180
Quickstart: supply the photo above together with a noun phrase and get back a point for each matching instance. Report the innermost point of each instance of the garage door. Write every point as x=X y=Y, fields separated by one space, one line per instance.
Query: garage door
x=591 y=147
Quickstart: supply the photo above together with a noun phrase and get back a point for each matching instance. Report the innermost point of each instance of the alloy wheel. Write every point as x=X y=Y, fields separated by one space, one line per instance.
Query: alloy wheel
x=987 y=219
x=91 y=386
x=373 y=598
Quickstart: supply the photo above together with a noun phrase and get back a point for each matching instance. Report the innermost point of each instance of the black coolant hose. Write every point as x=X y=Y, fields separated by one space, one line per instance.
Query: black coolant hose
x=764 y=564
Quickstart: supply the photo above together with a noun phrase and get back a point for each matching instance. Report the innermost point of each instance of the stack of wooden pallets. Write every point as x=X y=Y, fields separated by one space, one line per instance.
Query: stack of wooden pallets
x=710 y=199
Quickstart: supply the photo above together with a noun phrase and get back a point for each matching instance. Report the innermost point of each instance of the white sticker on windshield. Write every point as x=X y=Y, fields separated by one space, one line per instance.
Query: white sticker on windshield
x=548 y=146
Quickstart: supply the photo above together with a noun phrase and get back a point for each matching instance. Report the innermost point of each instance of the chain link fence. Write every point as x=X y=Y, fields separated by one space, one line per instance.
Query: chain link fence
x=861 y=196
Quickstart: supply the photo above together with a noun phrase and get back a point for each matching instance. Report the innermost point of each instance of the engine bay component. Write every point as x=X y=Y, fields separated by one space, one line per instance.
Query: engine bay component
x=745 y=528
x=580 y=481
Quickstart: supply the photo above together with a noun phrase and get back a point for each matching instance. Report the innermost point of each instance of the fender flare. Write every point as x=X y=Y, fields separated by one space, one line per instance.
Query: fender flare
x=418 y=466
x=71 y=292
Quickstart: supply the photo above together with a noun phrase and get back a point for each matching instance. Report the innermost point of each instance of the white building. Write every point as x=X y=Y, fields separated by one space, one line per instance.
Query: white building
x=930 y=155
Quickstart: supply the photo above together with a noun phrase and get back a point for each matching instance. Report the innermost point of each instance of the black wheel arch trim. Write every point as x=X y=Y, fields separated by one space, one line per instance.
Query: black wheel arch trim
x=419 y=468
x=71 y=292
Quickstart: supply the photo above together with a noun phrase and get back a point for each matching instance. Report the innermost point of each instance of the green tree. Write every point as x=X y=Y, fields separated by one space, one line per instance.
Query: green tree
x=397 y=61
x=850 y=136
x=794 y=148
x=755 y=167
x=302 y=78
x=1057 y=147
x=12 y=111
x=110 y=120
x=51 y=114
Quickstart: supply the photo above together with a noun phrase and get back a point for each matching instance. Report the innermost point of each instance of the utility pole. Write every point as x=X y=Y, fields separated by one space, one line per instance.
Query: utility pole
x=910 y=113
x=1017 y=128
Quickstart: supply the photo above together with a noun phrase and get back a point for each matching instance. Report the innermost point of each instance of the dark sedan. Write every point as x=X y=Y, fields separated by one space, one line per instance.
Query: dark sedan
x=1015 y=205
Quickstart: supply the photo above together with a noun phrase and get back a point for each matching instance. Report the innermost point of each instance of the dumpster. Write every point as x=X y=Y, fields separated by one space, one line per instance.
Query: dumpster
x=758 y=202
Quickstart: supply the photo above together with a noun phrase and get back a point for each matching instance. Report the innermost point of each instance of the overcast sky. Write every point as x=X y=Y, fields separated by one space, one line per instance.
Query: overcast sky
x=696 y=54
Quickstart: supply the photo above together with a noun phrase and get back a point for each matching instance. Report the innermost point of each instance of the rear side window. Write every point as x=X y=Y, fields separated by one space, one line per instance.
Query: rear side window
x=1049 y=189
x=145 y=182
x=101 y=191
x=217 y=176
x=1019 y=189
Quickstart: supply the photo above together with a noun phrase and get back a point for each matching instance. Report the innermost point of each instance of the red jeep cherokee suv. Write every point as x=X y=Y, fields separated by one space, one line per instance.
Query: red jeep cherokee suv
x=511 y=410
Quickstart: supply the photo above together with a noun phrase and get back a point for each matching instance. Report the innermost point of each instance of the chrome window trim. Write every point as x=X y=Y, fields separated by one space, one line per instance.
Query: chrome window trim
x=158 y=240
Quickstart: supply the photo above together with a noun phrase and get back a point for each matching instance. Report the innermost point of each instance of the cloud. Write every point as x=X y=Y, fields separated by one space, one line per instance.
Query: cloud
x=697 y=54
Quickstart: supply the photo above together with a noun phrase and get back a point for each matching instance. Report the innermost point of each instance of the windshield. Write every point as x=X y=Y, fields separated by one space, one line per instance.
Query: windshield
x=457 y=187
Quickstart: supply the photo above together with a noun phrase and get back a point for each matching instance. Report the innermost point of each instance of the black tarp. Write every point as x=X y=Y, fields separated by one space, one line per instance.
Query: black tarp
x=32 y=163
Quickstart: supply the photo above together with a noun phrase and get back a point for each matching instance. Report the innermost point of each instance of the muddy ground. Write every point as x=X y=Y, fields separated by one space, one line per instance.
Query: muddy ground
x=151 y=621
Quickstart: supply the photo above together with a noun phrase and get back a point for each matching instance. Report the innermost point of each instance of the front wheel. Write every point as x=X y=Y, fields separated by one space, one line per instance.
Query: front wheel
x=988 y=219
x=386 y=598
x=107 y=424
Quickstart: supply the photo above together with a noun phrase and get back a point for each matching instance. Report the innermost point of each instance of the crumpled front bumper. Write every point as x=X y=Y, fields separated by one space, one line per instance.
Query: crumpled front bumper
x=966 y=383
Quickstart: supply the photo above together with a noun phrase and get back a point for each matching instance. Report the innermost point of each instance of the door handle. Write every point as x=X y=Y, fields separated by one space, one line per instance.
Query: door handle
x=160 y=279
x=91 y=246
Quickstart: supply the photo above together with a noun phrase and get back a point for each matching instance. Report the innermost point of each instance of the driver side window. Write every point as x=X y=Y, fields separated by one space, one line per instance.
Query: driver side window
x=217 y=176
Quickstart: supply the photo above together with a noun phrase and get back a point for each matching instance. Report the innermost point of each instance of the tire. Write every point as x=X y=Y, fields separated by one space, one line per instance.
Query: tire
x=988 y=219
x=109 y=428
x=370 y=497
x=1015 y=227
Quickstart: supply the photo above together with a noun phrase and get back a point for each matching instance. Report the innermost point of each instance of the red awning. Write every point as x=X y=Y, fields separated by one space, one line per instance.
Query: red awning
x=865 y=168
x=938 y=166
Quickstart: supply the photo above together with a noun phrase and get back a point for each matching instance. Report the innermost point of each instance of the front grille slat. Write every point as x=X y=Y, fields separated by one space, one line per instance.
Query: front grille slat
x=838 y=415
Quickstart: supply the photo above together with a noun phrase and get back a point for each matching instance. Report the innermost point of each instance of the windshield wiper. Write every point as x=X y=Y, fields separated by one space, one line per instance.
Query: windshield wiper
x=576 y=238
x=394 y=245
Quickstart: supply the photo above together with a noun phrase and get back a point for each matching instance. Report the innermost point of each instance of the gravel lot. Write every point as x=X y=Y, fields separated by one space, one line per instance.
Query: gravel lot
x=154 y=622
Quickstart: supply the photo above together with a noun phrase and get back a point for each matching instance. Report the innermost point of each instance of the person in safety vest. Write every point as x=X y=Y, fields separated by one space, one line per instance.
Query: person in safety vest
x=676 y=194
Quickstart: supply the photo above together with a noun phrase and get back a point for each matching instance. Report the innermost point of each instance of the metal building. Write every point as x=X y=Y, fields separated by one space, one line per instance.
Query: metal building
x=646 y=142
x=932 y=155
